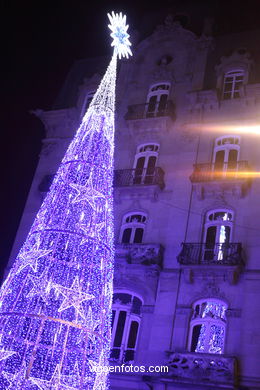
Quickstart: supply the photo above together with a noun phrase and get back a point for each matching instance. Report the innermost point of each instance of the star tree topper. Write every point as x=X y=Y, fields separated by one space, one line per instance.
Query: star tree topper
x=119 y=34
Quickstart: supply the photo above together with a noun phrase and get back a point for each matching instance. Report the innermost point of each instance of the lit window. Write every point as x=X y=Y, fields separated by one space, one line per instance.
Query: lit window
x=208 y=326
x=233 y=81
x=126 y=315
x=157 y=100
x=226 y=153
x=145 y=163
x=217 y=235
x=132 y=229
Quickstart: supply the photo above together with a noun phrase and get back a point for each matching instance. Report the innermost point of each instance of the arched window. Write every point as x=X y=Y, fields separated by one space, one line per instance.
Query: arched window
x=217 y=234
x=145 y=163
x=208 y=326
x=132 y=229
x=157 y=99
x=232 y=82
x=86 y=103
x=226 y=153
x=126 y=316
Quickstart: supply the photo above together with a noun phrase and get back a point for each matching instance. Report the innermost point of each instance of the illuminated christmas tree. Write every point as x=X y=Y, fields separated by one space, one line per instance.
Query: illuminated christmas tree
x=56 y=301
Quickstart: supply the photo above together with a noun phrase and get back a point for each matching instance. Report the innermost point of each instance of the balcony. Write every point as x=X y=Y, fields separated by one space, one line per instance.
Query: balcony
x=204 y=369
x=143 y=111
x=150 y=121
x=136 y=183
x=210 y=180
x=205 y=254
x=119 y=355
x=137 y=177
x=126 y=178
x=218 y=260
x=142 y=254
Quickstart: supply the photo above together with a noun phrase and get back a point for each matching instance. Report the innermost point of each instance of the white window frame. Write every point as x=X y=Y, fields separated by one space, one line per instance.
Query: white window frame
x=130 y=317
x=218 y=252
x=208 y=322
x=157 y=90
x=132 y=225
x=233 y=74
x=142 y=151
x=223 y=144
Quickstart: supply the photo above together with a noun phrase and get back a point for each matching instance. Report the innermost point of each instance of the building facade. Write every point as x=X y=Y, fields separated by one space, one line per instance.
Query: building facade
x=186 y=191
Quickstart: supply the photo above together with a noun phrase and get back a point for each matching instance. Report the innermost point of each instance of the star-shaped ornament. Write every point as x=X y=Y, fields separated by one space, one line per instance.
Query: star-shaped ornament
x=100 y=382
x=92 y=325
x=73 y=297
x=119 y=34
x=53 y=383
x=30 y=257
x=91 y=230
x=18 y=379
x=73 y=379
x=41 y=286
x=87 y=193
x=4 y=354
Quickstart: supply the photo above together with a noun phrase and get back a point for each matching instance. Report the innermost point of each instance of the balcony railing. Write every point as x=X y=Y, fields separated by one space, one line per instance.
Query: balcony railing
x=122 y=178
x=203 y=368
x=133 y=177
x=207 y=254
x=142 y=111
x=119 y=355
x=145 y=254
x=213 y=172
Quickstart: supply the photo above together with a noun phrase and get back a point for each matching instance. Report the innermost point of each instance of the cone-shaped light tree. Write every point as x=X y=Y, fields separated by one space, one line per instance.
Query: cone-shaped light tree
x=55 y=304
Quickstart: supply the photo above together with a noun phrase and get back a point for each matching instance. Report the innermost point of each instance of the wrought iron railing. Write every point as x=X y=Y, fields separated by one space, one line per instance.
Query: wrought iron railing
x=226 y=171
x=119 y=355
x=142 y=111
x=133 y=177
x=145 y=254
x=122 y=178
x=203 y=254
x=203 y=368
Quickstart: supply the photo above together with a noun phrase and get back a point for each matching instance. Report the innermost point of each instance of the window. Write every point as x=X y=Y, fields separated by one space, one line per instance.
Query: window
x=132 y=230
x=217 y=234
x=126 y=315
x=157 y=100
x=145 y=163
x=226 y=153
x=208 y=326
x=233 y=80
x=87 y=101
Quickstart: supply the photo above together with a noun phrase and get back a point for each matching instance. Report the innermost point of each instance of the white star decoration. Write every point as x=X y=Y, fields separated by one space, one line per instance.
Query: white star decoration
x=87 y=193
x=6 y=354
x=119 y=34
x=93 y=231
x=100 y=382
x=30 y=257
x=53 y=383
x=73 y=297
x=41 y=286
x=18 y=378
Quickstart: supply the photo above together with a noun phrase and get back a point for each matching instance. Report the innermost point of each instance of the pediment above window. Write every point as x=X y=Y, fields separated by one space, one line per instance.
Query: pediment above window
x=239 y=61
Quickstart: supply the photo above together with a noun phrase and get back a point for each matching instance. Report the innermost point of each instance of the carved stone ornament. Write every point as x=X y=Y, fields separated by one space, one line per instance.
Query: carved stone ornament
x=202 y=368
x=161 y=72
x=209 y=290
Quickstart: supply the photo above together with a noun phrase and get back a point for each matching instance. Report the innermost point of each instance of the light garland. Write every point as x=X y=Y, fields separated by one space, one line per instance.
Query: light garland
x=55 y=305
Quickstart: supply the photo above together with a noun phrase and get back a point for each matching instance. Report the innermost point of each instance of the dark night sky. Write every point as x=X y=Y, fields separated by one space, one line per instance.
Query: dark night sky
x=41 y=42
